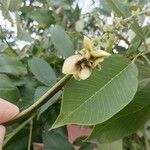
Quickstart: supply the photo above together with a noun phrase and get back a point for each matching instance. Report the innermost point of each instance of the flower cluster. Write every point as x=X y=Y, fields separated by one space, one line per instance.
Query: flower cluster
x=82 y=63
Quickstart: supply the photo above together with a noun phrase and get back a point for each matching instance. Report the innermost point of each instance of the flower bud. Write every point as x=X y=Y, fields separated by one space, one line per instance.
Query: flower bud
x=82 y=63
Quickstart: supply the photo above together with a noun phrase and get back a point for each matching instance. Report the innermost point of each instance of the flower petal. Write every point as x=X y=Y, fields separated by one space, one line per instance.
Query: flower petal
x=84 y=73
x=97 y=61
x=100 y=53
x=88 y=44
x=69 y=66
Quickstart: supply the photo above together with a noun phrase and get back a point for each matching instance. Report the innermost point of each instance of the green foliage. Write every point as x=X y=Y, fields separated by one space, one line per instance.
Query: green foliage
x=117 y=145
x=126 y=121
x=52 y=139
x=35 y=39
x=11 y=65
x=43 y=16
x=61 y=41
x=8 y=91
x=115 y=87
x=42 y=71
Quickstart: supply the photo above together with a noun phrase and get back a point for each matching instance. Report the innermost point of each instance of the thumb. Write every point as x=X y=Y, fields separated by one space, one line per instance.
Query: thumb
x=2 y=134
x=7 y=111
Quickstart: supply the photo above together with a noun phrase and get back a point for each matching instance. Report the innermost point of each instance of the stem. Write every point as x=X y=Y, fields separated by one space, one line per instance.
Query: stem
x=30 y=134
x=139 y=54
x=8 y=44
x=15 y=131
x=49 y=94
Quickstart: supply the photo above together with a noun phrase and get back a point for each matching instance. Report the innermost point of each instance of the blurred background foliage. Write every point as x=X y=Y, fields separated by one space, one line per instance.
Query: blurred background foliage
x=35 y=38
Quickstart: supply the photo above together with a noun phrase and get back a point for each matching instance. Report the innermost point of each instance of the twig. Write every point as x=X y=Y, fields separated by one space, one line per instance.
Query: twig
x=139 y=54
x=133 y=16
x=8 y=44
x=30 y=134
x=49 y=94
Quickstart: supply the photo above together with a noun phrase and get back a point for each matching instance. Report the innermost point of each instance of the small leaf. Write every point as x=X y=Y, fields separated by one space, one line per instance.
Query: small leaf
x=42 y=71
x=100 y=97
x=7 y=90
x=61 y=41
x=126 y=122
x=11 y=65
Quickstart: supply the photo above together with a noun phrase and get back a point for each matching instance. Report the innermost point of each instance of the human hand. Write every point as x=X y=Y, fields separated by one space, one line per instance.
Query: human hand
x=7 y=112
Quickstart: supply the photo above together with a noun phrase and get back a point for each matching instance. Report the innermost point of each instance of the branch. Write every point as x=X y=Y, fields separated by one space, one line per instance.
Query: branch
x=133 y=16
x=49 y=94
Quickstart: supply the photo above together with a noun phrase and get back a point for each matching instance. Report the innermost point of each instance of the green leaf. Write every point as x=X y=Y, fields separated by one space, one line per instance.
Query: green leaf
x=27 y=91
x=52 y=138
x=43 y=16
x=11 y=65
x=127 y=121
x=117 y=145
x=41 y=91
x=56 y=140
x=117 y=7
x=42 y=71
x=104 y=8
x=61 y=41
x=100 y=97
x=19 y=141
x=7 y=90
x=82 y=144
x=76 y=13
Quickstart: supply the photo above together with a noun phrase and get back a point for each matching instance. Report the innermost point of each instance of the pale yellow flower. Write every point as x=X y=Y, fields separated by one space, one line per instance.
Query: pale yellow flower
x=84 y=73
x=69 y=66
x=81 y=64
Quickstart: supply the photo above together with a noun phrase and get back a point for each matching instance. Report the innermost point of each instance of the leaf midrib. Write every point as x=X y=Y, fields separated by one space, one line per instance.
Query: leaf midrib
x=94 y=93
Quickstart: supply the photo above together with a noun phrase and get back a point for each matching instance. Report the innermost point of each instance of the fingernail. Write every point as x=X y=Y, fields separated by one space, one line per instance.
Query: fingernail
x=2 y=134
